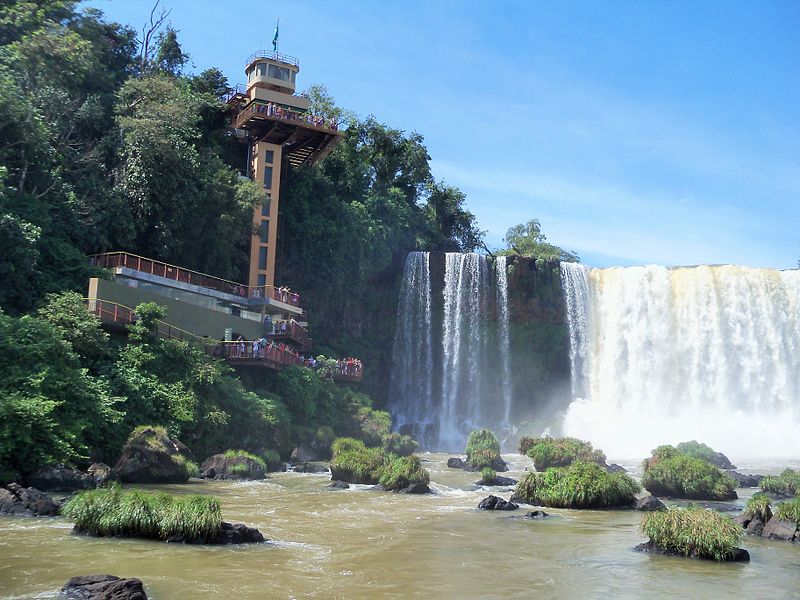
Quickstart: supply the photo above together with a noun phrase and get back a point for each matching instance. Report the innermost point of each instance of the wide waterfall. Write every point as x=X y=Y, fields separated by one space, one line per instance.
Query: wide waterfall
x=662 y=355
x=451 y=355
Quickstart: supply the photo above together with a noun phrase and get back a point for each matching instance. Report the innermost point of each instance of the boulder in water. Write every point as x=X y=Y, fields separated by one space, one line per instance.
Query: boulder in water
x=101 y=474
x=237 y=533
x=536 y=514
x=232 y=465
x=338 y=485
x=60 y=479
x=311 y=467
x=151 y=456
x=496 y=503
x=497 y=480
x=777 y=529
x=415 y=488
x=740 y=555
x=103 y=587
x=649 y=503
x=29 y=502
x=745 y=481
x=455 y=463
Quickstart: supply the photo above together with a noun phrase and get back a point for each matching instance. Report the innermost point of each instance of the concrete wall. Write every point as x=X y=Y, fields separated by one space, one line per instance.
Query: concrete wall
x=194 y=319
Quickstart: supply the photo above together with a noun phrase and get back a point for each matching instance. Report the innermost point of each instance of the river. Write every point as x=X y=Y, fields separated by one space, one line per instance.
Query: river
x=360 y=543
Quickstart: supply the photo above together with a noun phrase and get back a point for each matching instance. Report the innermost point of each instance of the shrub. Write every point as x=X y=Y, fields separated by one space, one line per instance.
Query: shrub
x=693 y=532
x=483 y=449
x=580 y=485
x=487 y=475
x=355 y=463
x=272 y=459
x=704 y=452
x=561 y=452
x=789 y=511
x=402 y=445
x=189 y=467
x=375 y=425
x=757 y=507
x=670 y=473
x=402 y=472
x=243 y=453
x=525 y=444
x=786 y=484
x=136 y=513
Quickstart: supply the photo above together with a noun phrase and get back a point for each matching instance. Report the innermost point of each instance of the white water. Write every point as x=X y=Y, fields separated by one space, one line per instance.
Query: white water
x=446 y=385
x=665 y=355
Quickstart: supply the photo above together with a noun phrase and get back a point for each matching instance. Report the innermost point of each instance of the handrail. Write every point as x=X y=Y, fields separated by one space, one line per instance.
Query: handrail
x=239 y=88
x=273 y=110
x=285 y=58
x=162 y=269
x=291 y=329
x=246 y=350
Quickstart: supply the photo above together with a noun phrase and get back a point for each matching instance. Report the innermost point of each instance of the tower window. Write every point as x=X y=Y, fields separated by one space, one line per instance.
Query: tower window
x=268 y=178
x=265 y=206
x=279 y=73
x=262 y=259
x=269 y=157
x=264 y=232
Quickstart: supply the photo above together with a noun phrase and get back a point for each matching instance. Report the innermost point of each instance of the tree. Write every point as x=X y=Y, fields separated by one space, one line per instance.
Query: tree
x=528 y=240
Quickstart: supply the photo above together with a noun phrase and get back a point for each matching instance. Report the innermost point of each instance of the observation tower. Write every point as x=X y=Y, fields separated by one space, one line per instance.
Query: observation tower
x=278 y=130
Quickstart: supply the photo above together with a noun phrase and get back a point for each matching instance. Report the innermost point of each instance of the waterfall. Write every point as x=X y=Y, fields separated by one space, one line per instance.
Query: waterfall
x=662 y=355
x=504 y=342
x=412 y=371
x=451 y=366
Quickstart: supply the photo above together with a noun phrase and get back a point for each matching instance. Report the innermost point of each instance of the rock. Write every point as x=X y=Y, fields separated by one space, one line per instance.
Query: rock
x=415 y=488
x=754 y=527
x=649 y=503
x=497 y=480
x=311 y=467
x=495 y=503
x=745 y=481
x=740 y=555
x=614 y=468
x=60 y=479
x=537 y=514
x=220 y=466
x=455 y=463
x=721 y=461
x=30 y=502
x=238 y=534
x=498 y=465
x=151 y=456
x=101 y=473
x=339 y=485
x=776 y=529
x=304 y=453
x=103 y=587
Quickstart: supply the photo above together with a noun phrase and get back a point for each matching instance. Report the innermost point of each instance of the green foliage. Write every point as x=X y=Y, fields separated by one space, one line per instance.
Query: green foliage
x=243 y=453
x=528 y=240
x=671 y=473
x=698 y=450
x=559 y=452
x=135 y=513
x=401 y=445
x=757 y=507
x=580 y=485
x=483 y=449
x=693 y=531
x=355 y=463
x=272 y=460
x=789 y=511
x=487 y=475
x=785 y=484
x=375 y=425
x=401 y=472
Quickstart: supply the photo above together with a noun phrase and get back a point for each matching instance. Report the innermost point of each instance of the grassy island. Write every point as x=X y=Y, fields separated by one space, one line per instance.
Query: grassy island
x=669 y=472
x=559 y=452
x=694 y=532
x=758 y=507
x=483 y=450
x=354 y=462
x=580 y=485
x=114 y=512
x=789 y=511
x=785 y=484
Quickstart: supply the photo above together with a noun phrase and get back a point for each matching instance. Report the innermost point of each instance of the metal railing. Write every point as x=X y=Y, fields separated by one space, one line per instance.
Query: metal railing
x=134 y=262
x=239 y=88
x=274 y=111
x=293 y=331
x=270 y=354
x=271 y=54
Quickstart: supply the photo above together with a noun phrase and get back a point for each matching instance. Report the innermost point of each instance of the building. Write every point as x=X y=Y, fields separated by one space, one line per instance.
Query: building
x=277 y=128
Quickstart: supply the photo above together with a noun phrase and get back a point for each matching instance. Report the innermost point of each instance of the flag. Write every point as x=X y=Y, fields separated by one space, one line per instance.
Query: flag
x=275 y=37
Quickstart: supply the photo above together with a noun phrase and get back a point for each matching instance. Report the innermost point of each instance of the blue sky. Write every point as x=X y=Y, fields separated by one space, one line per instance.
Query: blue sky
x=636 y=132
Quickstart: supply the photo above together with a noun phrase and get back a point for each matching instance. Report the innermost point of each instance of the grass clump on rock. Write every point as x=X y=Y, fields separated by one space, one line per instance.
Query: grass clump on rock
x=559 y=452
x=483 y=450
x=758 y=507
x=402 y=472
x=580 y=485
x=705 y=452
x=785 y=484
x=694 y=532
x=669 y=472
x=487 y=476
x=113 y=512
x=401 y=445
x=789 y=511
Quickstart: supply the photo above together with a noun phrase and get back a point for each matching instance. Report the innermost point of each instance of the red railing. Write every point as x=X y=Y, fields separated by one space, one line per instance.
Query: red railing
x=293 y=331
x=349 y=369
x=161 y=269
x=253 y=352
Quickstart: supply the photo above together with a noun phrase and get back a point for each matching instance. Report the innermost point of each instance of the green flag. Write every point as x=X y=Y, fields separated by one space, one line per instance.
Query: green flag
x=275 y=37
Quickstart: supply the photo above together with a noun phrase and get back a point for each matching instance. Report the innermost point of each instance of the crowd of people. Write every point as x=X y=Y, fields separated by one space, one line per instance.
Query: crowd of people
x=273 y=110
x=281 y=294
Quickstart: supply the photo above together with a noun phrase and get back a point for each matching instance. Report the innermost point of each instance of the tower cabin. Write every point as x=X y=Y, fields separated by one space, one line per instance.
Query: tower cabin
x=278 y=130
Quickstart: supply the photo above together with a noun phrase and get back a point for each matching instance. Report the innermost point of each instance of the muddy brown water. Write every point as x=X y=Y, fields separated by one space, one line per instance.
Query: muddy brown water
x=361 y=543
